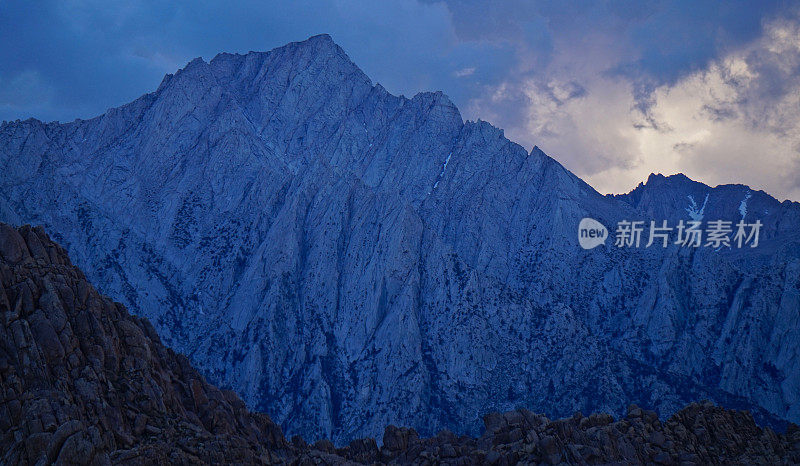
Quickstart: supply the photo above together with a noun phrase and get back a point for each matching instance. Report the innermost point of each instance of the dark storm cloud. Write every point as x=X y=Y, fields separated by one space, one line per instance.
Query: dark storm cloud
x=76 y=58
x=659 y=42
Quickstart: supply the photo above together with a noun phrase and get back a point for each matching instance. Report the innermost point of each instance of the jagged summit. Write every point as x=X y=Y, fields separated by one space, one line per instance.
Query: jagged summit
x=346 y=259
x=320 y=46
x=676 y=197
x=679 y=177
x=244 y=72
x=320 y=42
x=681 y=182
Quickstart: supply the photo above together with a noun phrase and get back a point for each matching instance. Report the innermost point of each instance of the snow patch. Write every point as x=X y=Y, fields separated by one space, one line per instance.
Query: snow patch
x=743 y=204
x=444 y=167
x=695 y=213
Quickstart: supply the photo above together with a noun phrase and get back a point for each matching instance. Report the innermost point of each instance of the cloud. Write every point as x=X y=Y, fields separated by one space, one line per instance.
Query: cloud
x=21 y=89
x=734 y=120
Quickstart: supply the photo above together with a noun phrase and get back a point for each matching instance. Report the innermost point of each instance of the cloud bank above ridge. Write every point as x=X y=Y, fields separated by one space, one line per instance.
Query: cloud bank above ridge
x=734 y=117
x=613 y=90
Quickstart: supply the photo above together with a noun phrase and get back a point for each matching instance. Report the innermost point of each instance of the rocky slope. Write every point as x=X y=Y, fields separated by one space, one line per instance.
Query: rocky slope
x=698 y=434
x=346 y=259
x=83 y=382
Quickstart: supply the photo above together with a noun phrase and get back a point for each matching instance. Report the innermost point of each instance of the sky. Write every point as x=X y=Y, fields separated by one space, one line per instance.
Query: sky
x=612 y=90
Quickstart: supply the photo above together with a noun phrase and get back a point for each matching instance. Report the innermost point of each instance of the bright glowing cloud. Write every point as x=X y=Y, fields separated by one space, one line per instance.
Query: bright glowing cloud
x=737 y=120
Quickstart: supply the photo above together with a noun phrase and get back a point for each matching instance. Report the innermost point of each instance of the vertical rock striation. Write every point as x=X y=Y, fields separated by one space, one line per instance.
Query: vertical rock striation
x=83 y=382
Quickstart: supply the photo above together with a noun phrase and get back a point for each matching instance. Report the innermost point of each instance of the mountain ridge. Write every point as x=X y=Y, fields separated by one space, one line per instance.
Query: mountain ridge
x=347 y=259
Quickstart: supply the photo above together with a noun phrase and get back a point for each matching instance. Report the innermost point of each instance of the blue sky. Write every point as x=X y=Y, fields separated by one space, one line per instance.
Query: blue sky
x=613 y=90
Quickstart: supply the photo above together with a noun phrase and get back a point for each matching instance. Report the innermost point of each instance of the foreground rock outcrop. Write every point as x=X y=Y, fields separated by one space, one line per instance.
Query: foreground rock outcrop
x=84 y=382
x=698 y=434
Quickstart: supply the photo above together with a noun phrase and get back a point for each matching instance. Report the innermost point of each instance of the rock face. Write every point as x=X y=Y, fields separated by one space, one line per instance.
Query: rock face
x=83 y=382
x=346 y=259
x=698 y=434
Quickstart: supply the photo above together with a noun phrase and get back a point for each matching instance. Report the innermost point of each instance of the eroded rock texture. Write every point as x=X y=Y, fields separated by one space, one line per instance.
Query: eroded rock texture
x=698 y=434
x=82 y=381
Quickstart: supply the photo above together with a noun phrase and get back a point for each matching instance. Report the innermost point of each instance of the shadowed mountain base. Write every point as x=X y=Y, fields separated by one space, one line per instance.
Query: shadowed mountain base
x=84 y=382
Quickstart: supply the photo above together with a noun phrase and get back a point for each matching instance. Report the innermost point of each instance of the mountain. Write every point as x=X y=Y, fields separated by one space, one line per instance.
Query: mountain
x=345 y=259
x=84 y=382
